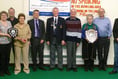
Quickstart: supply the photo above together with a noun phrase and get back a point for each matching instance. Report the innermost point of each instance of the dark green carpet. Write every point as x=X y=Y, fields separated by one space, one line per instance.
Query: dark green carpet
x=56 y=74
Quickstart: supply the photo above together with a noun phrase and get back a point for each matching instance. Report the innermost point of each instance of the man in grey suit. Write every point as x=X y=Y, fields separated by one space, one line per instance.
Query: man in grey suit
x=55 y=37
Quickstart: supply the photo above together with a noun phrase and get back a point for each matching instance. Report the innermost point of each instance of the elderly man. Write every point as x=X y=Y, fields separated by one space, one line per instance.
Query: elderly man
x=55 y=37
x=105 y=32
x=73 y=35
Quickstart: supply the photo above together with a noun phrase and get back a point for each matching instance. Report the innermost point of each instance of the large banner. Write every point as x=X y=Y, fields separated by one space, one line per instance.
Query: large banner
x=83 y=7
x=46 y=6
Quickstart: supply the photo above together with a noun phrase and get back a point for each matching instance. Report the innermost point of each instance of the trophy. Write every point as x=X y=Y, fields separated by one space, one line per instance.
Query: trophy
x=12 y=32
x=91 y=35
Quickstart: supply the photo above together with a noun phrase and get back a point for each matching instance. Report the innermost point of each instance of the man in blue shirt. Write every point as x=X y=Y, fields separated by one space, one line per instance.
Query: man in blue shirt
x=105 y=32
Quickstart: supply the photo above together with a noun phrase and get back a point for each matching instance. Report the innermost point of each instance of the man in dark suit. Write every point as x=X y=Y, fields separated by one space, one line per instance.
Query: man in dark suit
x=55 y=37
x=115 y=35
x=37 y=40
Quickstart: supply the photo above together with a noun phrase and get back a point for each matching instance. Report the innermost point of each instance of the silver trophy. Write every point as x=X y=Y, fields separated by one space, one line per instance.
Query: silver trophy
x=91 y=35
x=12 y=32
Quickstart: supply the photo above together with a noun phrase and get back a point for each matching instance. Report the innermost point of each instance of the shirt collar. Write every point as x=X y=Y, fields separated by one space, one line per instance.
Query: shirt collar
x=102 y=18
x=35 y=19
x=55 y=17
x=13 y=19
x=73 y=18
x=89 y=24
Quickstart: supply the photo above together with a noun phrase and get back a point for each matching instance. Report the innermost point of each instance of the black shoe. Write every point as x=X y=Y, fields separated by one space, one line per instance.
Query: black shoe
x=75 y=69
x=100 y=68
x=68 y=69
x=1 y=74
x=61 y=69
x=86 y=69
x=104 y=69
x=113 y=72
x=91 y=69
x=42 y=68
x=34 y=69
x=8 y=73
x=51 y=69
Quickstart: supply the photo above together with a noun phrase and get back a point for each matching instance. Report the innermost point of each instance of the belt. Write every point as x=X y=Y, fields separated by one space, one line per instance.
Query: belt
x=36 y=38
x=103 y=37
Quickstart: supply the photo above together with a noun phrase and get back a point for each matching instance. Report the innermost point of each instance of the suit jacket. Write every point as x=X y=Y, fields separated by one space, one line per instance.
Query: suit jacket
x=42 y=28
x=115 y=30
x=60 y=29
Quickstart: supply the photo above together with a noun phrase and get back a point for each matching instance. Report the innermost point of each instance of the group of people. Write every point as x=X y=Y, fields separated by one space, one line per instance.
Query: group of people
x=58 y=32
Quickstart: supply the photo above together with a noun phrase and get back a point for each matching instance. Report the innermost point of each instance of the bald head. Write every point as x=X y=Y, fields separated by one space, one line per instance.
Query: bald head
x=73 y=13
x=55 y=11
x=101 y=12
x=101 y=9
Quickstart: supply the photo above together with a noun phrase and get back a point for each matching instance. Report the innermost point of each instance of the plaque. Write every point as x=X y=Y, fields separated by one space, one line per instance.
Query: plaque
x=13 y=32
x=91 y=35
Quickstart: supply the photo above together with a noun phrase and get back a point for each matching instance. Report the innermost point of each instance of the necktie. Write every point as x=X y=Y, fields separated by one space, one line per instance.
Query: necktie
x=55 y=21
x=55 y=25
x=37 y=28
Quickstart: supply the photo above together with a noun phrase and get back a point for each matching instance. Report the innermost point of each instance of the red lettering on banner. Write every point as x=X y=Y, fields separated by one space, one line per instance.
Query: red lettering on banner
x=87 y=1
x=85 y=7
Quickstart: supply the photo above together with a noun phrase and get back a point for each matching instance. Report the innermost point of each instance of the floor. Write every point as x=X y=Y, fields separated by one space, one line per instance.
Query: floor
x=56 y=74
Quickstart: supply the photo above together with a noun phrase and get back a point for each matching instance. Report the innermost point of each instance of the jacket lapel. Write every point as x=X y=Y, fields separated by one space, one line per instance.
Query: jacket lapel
x=33 y=26
x=40 y=25
x=58 y=24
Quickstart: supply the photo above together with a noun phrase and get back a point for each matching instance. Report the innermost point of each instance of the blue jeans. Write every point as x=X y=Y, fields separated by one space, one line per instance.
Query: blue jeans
x=115 y=56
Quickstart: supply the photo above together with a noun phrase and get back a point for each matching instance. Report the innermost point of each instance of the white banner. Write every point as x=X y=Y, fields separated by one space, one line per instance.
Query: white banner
x=45 y=7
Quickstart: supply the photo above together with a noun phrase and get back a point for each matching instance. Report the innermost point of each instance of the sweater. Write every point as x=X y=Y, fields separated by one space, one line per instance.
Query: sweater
x=73 y=30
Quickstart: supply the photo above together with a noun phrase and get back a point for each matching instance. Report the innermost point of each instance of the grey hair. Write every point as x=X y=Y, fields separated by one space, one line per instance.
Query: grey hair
x=89 y=15
x=55 y=8
x=102 y=9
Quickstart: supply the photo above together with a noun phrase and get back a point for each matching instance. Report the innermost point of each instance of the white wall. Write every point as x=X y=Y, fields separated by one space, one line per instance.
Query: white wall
x=23 y=6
